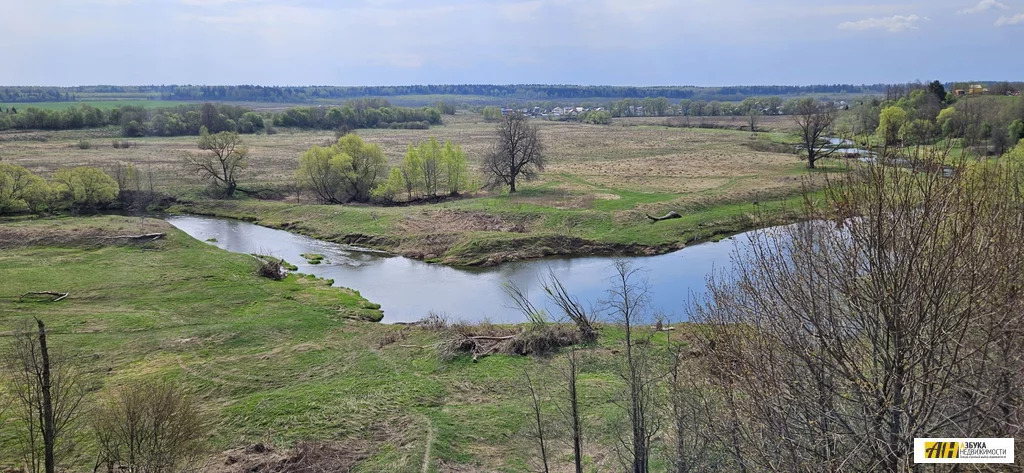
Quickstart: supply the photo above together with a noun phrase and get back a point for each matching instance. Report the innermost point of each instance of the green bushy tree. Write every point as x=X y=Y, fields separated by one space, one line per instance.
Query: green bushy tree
x=890 y=123
x=20 y=190
x=456 y=171
x=346 y=171
x=83 y=188
x=426 y=169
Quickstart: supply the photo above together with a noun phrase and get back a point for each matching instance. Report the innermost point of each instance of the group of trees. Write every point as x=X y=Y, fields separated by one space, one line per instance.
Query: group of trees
x=371 y=113
x=344 y=172
x=352 y=170
x=662 y=107
x=595 y=117
x=428 y=170
x=927 y=113
x=255 y=93
x=892 y=313
x=143 y=426
x=78 y=189
x=135 y=120
x=186 y=120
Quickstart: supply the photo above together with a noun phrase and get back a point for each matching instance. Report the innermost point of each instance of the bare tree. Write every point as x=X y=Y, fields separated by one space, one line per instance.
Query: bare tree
x=225 y=159
x=517 y=152
x=815 y=119
x=538 y=420
x=571 y=307
x=48 y=391
x=893 y=313
x=150 y=427
x=570 y=409
x=627 y=302
x=572 y=371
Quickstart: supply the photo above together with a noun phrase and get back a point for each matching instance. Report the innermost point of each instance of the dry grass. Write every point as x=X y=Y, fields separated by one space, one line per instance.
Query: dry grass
x=75 y=232
x=639 y=154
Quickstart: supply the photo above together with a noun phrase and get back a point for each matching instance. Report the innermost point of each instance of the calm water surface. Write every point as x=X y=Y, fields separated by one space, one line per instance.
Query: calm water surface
x=408 y=290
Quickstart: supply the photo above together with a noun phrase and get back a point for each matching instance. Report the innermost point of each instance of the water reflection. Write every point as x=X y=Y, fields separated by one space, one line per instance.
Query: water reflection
x=408 y=289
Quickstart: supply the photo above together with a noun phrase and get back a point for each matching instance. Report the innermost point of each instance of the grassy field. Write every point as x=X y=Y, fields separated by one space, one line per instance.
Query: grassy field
x=598 y=184
x=279 y=361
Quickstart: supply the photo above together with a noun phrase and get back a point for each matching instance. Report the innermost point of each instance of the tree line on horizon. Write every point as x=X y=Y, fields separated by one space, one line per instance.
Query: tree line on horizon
x=187 y=120
x=258 y=93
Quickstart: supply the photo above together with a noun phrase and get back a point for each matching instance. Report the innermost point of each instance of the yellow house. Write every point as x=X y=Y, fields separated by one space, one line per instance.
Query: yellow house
x=977 y=89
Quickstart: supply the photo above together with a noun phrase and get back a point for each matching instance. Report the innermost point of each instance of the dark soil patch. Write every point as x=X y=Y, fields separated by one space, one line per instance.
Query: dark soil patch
x=306 y=457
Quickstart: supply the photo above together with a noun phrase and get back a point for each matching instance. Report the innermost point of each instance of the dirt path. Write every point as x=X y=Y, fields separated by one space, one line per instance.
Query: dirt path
x=430 y=441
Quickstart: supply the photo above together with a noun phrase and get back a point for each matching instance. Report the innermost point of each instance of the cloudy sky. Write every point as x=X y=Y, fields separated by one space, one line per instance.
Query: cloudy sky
x=617 y=42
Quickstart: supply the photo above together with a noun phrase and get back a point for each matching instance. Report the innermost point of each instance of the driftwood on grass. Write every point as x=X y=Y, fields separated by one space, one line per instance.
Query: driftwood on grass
x=672 y=214
x=57 y=295
x=144 y=236
x=495 y=339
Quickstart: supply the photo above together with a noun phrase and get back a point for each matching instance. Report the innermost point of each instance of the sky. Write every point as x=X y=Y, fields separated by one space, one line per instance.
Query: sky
x=591 y=42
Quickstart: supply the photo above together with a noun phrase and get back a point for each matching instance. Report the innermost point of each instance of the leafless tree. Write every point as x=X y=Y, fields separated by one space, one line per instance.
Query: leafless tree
x=150 y=427
x=135 y=190
x=570 y=306
x=571 y=412
x=225 y=158
x=48 y=392
x=627 y=303
x=538 y=420
x=517 y=152
x=815 y=119
x=893 y=313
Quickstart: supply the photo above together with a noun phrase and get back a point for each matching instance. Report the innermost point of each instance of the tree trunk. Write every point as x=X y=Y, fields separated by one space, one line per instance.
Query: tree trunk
x=48 y=429
x=577 y=437
x=512 y=185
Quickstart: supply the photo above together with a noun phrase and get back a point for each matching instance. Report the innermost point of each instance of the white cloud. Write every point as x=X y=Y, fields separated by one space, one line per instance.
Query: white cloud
x=983 y=6
x=1010 y=20
x=894 y=24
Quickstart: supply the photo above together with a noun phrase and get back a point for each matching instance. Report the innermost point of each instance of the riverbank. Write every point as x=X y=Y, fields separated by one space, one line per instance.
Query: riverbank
x=491 y=230
x=277 y=362
x=410 y=290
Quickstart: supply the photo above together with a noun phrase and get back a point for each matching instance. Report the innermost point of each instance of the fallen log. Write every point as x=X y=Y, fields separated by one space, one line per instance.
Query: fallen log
x=145 y=236
x=58 y=295
x=670 y=215
x=490 y=338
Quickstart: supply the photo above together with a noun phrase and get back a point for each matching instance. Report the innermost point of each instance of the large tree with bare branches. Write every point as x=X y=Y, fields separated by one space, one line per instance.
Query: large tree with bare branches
x=517 y=152
x=223 y=161
x=815 y=119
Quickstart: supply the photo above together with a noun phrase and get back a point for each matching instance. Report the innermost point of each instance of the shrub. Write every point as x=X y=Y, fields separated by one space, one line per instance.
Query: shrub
x=83 y=188
x=152 y=427
x=20 y=190
x=132 y=129
x=84 y=144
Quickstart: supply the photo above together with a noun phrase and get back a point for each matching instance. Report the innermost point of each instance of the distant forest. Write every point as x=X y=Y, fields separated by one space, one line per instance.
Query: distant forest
x=532 y=92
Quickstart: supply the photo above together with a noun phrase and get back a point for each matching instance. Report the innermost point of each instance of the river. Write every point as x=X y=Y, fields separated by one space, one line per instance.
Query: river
x=408 y=289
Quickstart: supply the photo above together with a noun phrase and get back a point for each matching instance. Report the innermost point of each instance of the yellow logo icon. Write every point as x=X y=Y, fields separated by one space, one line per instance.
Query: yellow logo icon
x=941 y=449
